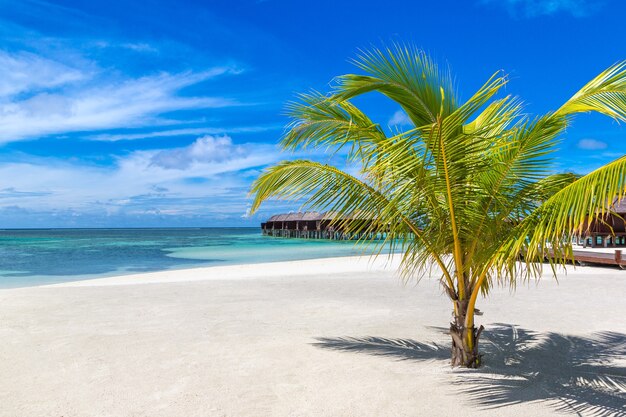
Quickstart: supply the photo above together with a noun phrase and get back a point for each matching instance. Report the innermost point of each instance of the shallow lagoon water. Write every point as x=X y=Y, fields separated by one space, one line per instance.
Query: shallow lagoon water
x=44 y=256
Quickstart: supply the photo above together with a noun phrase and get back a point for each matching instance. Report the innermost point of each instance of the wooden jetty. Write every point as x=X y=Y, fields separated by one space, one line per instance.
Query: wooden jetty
x=315 y=225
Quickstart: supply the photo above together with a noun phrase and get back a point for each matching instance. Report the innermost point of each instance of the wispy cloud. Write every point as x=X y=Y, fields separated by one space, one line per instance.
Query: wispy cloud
x=11 y=192
x=535 y=8
x=96 y=103
x=23 y=71
x=114 y=137
x=140 y=47
x=591 y=144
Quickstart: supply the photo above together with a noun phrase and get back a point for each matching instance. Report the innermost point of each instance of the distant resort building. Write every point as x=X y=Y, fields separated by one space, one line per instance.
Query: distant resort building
x=315 y=225
x=607 y=231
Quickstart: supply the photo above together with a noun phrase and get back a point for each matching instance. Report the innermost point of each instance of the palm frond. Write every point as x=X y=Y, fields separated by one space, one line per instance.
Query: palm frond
x=568 y=210
x=319 y=121
x=605 y=94
x=407 y=76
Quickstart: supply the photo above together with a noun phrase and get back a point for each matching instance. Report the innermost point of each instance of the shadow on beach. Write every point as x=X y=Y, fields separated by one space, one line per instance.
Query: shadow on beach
x=579 y=375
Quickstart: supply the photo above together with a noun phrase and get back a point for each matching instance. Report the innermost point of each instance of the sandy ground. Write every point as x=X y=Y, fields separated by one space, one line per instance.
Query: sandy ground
x=336 y=337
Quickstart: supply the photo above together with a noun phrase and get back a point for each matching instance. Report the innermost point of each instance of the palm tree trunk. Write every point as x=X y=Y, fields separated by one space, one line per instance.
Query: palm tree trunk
x=464 y=340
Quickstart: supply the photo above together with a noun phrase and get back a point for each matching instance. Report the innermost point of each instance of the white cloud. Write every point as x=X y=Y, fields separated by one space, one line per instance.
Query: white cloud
x=591 y=144
x=204 y=150
x=535 y=8
x=26 y=72
x=211 y=168
x=208 y=180
x=140 y=47
x=399 y=118
x=41 y=96
x=205 y=157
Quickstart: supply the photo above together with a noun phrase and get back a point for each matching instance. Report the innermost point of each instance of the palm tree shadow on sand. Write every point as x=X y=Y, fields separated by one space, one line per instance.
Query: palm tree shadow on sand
x=580 y=375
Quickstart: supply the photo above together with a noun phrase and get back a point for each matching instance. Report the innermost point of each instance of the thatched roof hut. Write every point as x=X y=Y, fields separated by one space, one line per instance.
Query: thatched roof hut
x=607 y=230
x=300 y=216
x=316 y=224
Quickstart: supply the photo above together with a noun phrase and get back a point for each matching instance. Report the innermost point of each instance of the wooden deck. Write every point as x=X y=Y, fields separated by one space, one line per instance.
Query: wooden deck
x=600 y=258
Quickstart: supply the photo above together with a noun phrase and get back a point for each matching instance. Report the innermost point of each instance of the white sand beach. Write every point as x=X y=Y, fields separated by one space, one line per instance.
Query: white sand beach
x=326 y=337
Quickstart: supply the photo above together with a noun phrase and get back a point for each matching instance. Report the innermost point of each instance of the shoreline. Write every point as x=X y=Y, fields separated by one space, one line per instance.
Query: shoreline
x=45 y=257
x=276 y=269
x=281 y=269
x=193 y=271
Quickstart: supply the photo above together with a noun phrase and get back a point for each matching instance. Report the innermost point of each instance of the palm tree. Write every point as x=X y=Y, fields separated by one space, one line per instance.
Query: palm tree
x=469 y=188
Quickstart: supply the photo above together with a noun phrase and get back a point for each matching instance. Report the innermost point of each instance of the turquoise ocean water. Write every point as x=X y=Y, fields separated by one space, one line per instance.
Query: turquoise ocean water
x=34 y=257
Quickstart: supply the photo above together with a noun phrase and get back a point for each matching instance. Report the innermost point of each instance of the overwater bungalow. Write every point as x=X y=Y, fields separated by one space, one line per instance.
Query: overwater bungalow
x=316 y=225
x=606 y=231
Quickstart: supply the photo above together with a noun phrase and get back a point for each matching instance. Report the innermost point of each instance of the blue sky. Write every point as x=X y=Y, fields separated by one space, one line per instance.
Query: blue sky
x=161 y=113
